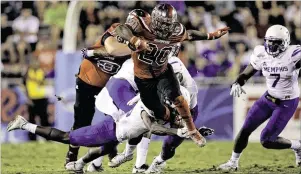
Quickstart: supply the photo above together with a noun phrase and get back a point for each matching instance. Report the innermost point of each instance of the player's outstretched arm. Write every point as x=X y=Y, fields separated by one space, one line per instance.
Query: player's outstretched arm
x=194 y=35
x=236 y=87
x=158 y=129
x=248 y=72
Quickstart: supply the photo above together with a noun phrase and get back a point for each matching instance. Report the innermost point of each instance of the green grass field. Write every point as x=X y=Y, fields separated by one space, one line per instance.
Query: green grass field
x=42 y=158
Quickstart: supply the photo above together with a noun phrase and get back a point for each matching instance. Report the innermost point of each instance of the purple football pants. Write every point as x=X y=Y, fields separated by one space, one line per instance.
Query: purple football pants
x=279 y=115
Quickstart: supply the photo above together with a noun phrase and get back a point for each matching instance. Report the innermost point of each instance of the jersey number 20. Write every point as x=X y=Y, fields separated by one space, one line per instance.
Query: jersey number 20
x=159 y=56
x=276 y=80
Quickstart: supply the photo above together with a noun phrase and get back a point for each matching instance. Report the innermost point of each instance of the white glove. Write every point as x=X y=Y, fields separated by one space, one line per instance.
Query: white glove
x=236 y=90
x=183 y=132
x=134 y=100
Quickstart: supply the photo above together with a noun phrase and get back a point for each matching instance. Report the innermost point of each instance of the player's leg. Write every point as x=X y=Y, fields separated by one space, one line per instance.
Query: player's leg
x=127 y=154
x=142 y=149
x=257 y=114
x=84 y=109
x=282 y=113
x=169 y=148
x=32 y=115
x=91 y=155
x=169 y=86
x=47 y=132
x=42 y=111
x=150 y=98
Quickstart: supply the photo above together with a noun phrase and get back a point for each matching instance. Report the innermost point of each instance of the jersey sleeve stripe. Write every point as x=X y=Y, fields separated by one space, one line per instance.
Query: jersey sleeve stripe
x=143 y=23
x=296 y=52
x=182 y=29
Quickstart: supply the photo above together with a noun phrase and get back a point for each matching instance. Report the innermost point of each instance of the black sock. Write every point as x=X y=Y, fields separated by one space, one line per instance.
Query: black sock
x=73 y=149
x=241 y=141
x=53 y=134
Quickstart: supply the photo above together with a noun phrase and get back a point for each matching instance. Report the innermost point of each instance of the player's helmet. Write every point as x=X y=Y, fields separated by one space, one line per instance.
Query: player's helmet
x=276 y=40
x=163 y=18
x=136 y=13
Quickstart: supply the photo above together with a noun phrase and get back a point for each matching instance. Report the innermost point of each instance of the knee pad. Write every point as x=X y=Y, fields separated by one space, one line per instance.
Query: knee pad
x=266 y=143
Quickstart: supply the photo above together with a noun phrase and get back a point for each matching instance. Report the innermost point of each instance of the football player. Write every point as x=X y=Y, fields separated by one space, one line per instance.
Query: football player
x=280 y=63
x=153 y=38
x=130 y=125
x=94 y=72
x=170 y=142
x=113 y=100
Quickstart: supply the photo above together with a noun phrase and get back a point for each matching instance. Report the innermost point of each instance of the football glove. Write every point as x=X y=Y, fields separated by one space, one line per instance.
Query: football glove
x=236 y=90
x=205 y=131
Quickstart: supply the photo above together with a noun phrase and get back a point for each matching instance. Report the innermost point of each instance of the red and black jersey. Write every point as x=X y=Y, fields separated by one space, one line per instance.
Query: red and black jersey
x=108 y=64
x=149 y=64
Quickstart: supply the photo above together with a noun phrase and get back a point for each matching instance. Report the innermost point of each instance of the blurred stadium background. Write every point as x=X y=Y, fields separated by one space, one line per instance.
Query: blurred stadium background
x=53 y=33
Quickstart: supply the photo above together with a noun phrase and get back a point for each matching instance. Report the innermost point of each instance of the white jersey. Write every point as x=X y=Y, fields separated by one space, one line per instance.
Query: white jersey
x=185 y=79
x=130 y=125
x=280 y=72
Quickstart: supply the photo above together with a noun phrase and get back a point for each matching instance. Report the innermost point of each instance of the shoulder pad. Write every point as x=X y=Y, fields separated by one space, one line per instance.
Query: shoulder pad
x=294 y=50
x=259 y=51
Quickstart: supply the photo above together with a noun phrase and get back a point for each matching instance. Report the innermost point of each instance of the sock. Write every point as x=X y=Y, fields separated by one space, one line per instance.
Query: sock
x=295 y=144
x=142 y=149
x=129 y=149
x=235 y=156
x=80 y=163
x=30 y=127
x=98 y=162
x=159 y=159
x=73 y=149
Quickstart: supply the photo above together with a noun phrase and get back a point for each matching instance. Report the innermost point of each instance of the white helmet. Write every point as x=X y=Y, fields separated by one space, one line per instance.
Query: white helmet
x=276 y=40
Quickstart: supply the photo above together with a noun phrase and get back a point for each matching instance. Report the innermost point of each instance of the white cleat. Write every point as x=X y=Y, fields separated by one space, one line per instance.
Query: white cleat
x=298 y=156
x=120 y=159
x=156 y=167
x=75 y=167
x=140 y=169
x=230 y=165
x=92 y=168
x=17 y=123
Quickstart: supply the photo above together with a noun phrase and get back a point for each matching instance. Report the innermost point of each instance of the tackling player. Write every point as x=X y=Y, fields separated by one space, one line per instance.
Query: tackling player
x=127 y=126
x=94 y=72
x=280 y=64
x=170 y=142
x=153 y=39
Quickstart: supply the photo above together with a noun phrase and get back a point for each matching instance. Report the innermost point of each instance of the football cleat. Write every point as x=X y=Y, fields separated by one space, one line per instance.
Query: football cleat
x=120 y=159
x=156 y=167
x=93 y=168
x=17 y=123
x=76 y=167
x=230 y=165
x=140 y=169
